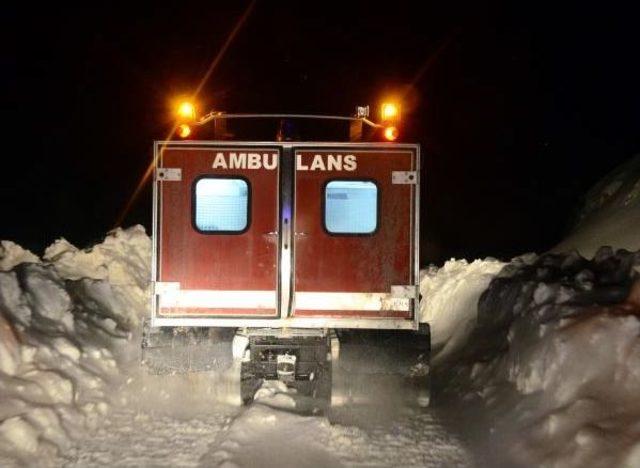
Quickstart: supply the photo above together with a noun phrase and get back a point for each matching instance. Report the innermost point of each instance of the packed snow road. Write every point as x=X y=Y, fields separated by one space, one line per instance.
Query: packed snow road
x=194 y=419
x=269 y=433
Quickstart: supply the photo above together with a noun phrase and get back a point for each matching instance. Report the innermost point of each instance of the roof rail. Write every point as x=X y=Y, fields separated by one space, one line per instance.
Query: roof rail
x=221 y=115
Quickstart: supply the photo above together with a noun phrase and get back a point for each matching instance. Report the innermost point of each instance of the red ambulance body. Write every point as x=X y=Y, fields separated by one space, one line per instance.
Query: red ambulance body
x=286 y=242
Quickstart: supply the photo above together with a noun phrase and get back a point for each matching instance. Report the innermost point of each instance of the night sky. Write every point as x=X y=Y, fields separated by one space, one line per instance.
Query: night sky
x=518 y=109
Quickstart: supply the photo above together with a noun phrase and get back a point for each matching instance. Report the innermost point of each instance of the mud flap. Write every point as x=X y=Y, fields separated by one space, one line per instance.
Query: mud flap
x=175 y=360
x=377 y=367
x=178 y=350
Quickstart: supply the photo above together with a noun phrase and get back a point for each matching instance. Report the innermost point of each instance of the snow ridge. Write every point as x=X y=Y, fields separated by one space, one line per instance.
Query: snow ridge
x=65 y=322
x=555 y=359
x=610 y=215
x=450 y=301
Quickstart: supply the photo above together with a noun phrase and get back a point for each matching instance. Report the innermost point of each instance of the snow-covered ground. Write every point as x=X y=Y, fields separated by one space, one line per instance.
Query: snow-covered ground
x=536 y=363
x=72 y=393
x=262 y=435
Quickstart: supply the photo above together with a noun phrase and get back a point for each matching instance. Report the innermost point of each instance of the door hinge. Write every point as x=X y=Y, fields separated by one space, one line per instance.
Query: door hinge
x=404 y=291
x=404 y=177
x=169 y=173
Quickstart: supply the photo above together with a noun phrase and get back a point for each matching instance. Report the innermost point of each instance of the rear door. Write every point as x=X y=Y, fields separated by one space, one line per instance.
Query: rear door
x=217 y=231
x=355 y=251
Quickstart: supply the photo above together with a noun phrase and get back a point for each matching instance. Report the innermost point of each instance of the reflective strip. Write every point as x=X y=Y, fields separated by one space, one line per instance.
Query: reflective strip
x=319 y=322
x=349 y=301
x=164 y=287
x=408 y=291
x=219 y=299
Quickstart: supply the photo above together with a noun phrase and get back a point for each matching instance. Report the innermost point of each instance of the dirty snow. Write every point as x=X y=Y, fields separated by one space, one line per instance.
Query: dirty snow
x=548 y=356
x=555 y=361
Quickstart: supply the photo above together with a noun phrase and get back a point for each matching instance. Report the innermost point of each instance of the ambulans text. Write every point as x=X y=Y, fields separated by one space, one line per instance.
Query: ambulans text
x=269 y=161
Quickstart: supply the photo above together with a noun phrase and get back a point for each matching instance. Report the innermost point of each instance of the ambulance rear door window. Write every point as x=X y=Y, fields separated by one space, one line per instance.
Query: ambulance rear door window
x=221 y=205
x=350 y=207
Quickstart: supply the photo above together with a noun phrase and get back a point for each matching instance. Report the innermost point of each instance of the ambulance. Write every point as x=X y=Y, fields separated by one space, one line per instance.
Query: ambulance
x=285 y=244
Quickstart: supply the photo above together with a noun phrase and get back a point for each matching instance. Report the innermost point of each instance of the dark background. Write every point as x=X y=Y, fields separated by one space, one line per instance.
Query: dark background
x=518 y=109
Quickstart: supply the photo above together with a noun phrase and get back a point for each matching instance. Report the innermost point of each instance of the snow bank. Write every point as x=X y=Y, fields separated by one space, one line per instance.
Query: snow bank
x=450 y=301
x=611 y=214
x=555 y=358
x=12 y=254
x=549 y=346
x=65 y=325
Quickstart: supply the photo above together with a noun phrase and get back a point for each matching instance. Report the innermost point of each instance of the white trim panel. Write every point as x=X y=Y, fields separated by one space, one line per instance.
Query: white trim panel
x=219 y=299
x=349 y=301
x=292 y=322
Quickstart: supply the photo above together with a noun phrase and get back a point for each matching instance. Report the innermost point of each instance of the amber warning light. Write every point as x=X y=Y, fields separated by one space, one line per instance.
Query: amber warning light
x=183 y=130
x=390 y=116
x=391 y=133
x=389 y=111
x=187 y=118
x=186 y=111
x=185 y=114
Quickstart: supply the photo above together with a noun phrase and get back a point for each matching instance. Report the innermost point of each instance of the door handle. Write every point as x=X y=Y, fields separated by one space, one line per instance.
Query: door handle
x=271 y=237
x=301 y=234
x=286 y=232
